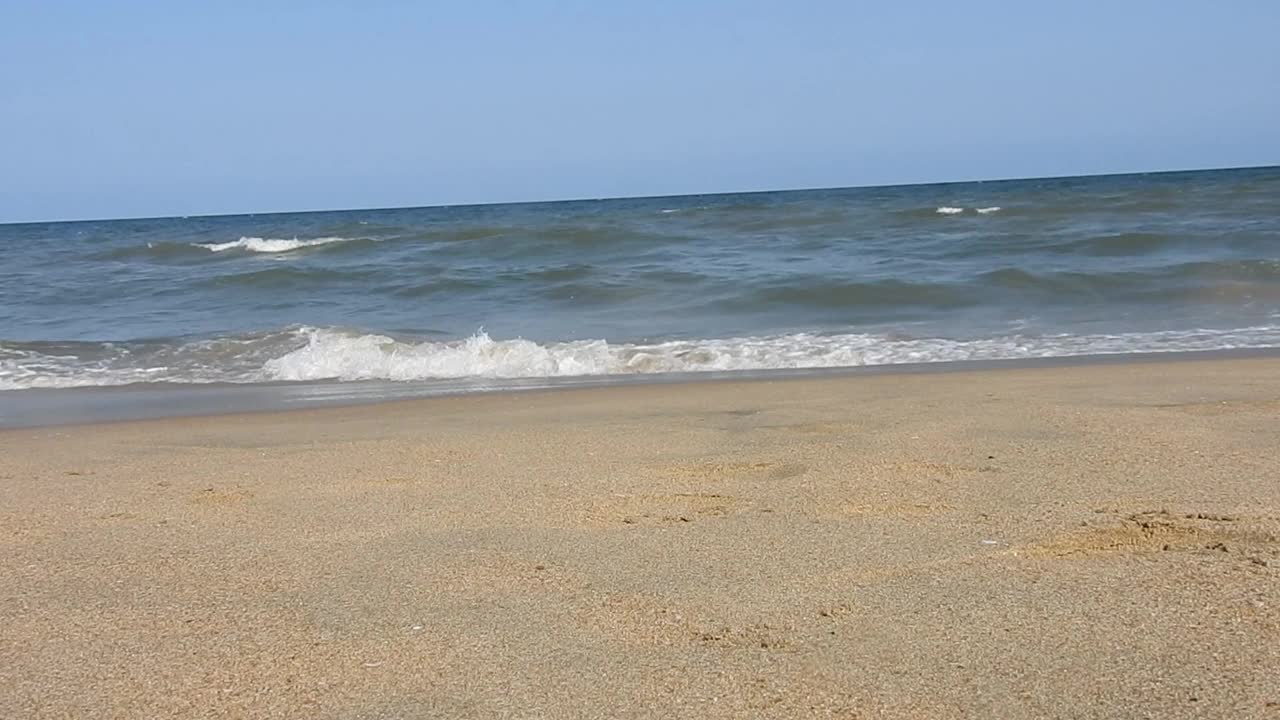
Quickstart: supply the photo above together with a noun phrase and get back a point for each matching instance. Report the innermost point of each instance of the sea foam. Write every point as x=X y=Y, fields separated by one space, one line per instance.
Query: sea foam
x=269 y=245
x=952 y=210
x=337 y=355
x=311 y=354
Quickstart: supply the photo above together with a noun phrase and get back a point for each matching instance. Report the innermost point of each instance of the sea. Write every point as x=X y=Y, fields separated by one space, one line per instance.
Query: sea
x=362 y=304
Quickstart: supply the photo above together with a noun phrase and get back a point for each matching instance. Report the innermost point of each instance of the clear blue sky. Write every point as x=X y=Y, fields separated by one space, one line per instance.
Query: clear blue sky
x=130 y=108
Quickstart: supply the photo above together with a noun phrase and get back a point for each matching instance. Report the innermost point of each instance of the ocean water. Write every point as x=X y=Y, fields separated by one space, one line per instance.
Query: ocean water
x=479 y=296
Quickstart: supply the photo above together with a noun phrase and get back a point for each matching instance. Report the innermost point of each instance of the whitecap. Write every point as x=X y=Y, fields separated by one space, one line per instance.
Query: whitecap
x=309 y=354
x=339 y=355
x=948 y=210
x=269 y=245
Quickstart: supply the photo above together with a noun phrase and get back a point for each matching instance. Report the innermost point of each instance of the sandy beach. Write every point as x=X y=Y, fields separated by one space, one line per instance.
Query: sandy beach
x=1089 y=541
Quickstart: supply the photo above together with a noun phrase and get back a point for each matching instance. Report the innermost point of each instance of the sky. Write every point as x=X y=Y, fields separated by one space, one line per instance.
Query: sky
x=137 y=109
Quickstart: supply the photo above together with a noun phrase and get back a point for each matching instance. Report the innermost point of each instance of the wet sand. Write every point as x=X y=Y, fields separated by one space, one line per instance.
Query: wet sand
x=1092 y=541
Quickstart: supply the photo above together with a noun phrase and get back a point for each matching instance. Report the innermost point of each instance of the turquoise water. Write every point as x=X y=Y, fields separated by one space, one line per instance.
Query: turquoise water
x=828 y=278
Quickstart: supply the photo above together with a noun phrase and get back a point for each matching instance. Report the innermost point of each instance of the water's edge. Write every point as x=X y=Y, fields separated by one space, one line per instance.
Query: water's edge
x=129 y=403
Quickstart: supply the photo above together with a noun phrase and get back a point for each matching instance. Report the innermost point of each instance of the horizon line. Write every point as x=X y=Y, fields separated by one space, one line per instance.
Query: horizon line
x=719 y=193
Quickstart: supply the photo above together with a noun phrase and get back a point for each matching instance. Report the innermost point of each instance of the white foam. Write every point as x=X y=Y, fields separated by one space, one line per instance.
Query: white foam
x=989 y=210
x=269 y=245
x=13 y=377
x=301 y=354
x=948 y=210
x=331 y=354
x=29 y=371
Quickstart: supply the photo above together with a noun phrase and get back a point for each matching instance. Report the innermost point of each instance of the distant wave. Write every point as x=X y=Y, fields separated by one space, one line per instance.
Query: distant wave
x=180 y=252
x=951 y=210
x=310 y=354
x=156 y=251
x=270 y=245
x=1117 y=244
x=284 y=276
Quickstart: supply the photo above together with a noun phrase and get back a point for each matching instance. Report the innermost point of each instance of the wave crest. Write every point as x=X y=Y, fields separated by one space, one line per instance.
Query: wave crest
x=311 y=354
x=335 y=355
x=270 y=245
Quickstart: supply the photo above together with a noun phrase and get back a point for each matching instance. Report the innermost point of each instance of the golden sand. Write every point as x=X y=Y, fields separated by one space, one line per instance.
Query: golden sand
x=1093 y=541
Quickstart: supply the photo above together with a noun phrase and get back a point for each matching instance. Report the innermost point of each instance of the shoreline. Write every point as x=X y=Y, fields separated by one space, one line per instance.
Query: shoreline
x=1097 y=540
x=93 y=405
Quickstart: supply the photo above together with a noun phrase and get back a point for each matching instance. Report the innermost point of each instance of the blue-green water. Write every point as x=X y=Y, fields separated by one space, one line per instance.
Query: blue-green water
x=829 y=278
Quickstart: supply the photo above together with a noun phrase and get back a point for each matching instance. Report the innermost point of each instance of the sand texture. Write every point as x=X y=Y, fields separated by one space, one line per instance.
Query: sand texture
x=1094 y=541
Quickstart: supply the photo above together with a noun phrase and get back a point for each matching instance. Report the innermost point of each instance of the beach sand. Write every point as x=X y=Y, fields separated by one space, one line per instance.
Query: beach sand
x=1088 y=541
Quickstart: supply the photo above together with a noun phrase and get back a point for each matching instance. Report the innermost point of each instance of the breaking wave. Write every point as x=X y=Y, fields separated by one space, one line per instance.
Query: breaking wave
x=270 y=245
x=951 y=210
x=312 y=354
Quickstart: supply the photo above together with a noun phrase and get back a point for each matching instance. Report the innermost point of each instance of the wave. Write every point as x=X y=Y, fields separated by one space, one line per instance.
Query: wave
x=164 y=251
x=68 y=364
x=316 y=354
x=285 y=277
x=688 y=209
x=337 y=356
x=952 y=210
x=1119 y=244
x=179 y=251
x=825 y=292
x=271 y=245
x=1208 y=282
